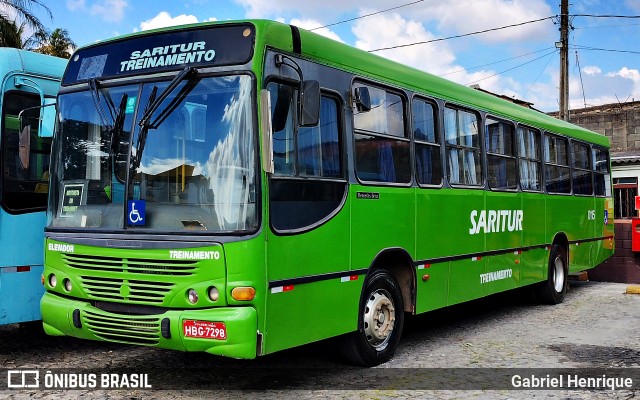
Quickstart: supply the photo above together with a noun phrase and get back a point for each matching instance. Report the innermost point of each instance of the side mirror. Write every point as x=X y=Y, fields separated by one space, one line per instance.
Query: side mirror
x=362 y=99
x=310 y=103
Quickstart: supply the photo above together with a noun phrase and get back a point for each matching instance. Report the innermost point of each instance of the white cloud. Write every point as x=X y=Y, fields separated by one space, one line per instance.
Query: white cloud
x=592 y=70
x=382 y=31
x=453 y=16
x=310 y=9
x=108 y=10
x=633 y=4
x=164 y=19
x=461 y=16
x=111 y=10
x=626 y=73
x=312 y=24
x=76 y=4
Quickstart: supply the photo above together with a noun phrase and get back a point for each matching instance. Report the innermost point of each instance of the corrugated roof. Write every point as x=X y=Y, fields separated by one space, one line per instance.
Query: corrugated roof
x=625 y=157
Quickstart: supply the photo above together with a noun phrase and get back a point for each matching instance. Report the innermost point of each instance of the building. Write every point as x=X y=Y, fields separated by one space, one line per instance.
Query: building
x=621 y=123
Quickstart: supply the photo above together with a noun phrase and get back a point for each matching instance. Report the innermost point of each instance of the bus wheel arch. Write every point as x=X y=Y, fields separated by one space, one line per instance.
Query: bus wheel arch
x=380 y=321
x=388 y=287
x=399 y=264
x=554 y=288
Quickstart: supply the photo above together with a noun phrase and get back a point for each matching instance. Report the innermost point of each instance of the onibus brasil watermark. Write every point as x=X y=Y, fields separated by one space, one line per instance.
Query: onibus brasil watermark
x=31 y=378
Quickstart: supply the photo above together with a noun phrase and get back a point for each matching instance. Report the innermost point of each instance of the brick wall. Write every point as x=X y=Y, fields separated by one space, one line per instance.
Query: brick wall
x=624 y=265
x=619 y=122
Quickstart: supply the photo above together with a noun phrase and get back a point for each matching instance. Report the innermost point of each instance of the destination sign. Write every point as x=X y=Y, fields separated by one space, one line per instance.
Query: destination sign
x=157 y=52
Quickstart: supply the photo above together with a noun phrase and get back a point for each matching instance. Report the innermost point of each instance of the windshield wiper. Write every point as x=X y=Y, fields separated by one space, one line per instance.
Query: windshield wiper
x=153 y=105
x=95 y=95
x=118 y=124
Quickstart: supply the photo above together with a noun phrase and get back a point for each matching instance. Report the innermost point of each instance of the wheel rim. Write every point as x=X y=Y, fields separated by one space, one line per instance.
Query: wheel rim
x=379 y=319
x=558 y=274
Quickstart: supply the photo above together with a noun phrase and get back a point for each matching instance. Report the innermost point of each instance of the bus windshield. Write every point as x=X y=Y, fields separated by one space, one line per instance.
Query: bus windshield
x=189 y=166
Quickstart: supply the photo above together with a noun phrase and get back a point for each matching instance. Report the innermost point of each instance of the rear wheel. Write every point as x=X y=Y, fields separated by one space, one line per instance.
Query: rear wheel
x=554 y=289
x=379 y=324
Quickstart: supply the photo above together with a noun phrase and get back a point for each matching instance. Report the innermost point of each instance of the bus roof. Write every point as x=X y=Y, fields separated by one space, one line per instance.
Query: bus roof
x=27 y=61
x=330 y=52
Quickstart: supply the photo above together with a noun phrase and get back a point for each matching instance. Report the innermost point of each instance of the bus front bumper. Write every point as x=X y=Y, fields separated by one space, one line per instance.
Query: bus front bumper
x=63 y=316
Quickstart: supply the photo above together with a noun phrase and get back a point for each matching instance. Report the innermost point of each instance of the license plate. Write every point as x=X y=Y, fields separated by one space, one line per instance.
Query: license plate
x=204 y=329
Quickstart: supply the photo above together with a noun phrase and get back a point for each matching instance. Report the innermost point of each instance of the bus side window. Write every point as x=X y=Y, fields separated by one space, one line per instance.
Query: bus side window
x=427 y=143
x=283 y=101
x=501 y=169
x=382 y=145
x=25 y=169
x=529 y=159
x=582 y=175
x=556 y=159
x=602 y=175
x=463 y=147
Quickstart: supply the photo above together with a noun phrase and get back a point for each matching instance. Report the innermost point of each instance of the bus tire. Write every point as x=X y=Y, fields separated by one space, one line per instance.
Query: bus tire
x=554 y=289
x=380 y=322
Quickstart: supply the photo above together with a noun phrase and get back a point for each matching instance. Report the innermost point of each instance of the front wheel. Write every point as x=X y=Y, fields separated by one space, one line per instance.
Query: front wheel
x=380 y=322
x=554 y=289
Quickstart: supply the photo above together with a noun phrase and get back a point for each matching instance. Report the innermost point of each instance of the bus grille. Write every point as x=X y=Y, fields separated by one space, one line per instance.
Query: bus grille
x=131 y=265
x=130 y=290
x=123 y=329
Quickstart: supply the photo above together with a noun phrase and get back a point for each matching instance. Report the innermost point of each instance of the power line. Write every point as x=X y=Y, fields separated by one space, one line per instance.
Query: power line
x=539 y=74
x=495 y=62
x=511 y=69
x=462 y=35
x=605 y=26
x=584 y=99
x=368 y=15
x=600 y=49
x=606 y=16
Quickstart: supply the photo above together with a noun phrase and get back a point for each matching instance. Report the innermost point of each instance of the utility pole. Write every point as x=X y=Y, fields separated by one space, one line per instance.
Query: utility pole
x=564 y=60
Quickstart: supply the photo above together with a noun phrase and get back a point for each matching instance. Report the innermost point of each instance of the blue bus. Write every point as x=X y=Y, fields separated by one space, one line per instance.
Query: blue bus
x=30 y=83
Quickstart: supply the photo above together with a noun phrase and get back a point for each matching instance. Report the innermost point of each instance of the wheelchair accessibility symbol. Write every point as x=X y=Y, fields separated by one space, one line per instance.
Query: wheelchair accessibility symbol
x=136 y=212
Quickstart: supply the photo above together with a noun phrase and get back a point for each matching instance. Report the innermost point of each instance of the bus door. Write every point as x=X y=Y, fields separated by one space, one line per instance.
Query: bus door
x=309 y=225
x=24 y=160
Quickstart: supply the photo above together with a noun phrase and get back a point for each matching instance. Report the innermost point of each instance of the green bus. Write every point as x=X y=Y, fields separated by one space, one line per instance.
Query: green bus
x=240 y=188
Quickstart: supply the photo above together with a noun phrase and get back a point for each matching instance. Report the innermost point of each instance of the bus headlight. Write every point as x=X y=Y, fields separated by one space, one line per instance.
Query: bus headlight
x=213 y=293
x=67 y=284
x=53 y=281
x=192 y=296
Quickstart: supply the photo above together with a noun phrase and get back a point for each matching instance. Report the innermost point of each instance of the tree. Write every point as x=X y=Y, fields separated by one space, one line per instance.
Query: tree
x=20 y=10
x=57 y=43
x=11 y=34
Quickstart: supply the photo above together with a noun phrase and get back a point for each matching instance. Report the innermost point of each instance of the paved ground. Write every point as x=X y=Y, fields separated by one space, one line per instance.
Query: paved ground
x=598 y=326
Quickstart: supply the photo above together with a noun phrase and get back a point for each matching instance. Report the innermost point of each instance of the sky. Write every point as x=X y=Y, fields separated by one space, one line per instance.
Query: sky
x=520 y=61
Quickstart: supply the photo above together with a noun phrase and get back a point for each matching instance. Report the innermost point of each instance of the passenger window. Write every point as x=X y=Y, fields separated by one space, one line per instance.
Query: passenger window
x=462 y=140
x=501 y=161
x=602 y=174
x=427 y=145
x=582 y=175
x=556 y=159
x=529 y=159
x=25 y=155
x=382 y=148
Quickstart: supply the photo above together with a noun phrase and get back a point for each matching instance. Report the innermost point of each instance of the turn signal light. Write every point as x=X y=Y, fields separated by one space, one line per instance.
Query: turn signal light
x=243 y=293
